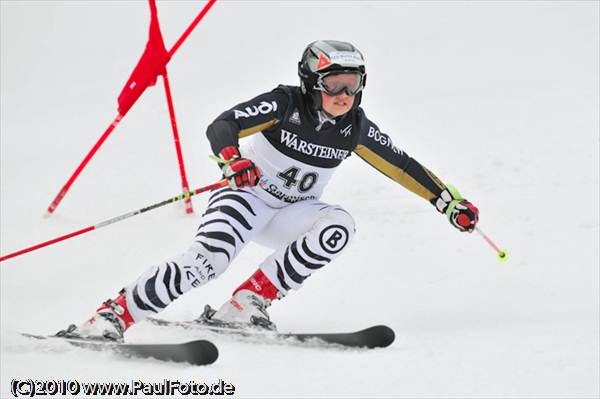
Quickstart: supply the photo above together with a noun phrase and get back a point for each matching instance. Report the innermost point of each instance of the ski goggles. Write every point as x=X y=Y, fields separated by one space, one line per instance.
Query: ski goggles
x=335 y=84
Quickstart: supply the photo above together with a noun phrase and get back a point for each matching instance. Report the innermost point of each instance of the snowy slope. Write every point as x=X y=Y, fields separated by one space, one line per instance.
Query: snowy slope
x=499 y=98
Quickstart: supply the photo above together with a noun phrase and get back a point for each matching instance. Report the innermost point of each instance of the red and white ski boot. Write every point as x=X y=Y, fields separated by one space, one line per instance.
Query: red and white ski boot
x=247 y=306
x=109 y=323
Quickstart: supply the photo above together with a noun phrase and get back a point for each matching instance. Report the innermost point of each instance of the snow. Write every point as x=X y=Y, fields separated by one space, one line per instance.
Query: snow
x=499 y=98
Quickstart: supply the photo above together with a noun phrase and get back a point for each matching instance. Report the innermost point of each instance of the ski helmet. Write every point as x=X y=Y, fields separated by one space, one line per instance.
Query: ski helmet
x=325 y=57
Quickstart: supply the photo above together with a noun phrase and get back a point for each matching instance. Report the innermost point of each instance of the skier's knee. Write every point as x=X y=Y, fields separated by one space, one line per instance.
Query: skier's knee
x=336 y=229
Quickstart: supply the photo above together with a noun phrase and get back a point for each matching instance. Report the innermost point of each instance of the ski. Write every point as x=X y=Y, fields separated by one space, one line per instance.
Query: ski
x=199 y=353
x=373 y=337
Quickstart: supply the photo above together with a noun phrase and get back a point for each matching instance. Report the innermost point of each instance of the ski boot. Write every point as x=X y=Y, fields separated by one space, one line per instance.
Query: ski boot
x=247 y=308
x=108 y=323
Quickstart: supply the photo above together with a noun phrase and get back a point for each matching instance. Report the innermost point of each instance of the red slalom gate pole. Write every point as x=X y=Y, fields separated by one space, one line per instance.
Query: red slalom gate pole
x=190 y=28
x=63 y=191
x=184 y=183
x=178 y=43
x=219 y=184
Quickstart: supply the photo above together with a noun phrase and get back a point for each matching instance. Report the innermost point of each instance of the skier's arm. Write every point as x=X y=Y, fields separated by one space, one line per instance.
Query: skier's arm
x=377 y=149
x=262 y=112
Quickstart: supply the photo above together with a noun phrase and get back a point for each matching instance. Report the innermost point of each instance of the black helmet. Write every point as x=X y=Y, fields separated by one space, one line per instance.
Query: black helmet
x=324 y=57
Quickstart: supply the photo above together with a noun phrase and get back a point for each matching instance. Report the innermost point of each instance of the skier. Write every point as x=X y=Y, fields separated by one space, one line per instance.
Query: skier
x=296 y=139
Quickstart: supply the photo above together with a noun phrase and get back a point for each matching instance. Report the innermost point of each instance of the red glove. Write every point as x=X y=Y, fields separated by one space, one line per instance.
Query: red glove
x=461 y=213
x=240 y=172
x=464 y=215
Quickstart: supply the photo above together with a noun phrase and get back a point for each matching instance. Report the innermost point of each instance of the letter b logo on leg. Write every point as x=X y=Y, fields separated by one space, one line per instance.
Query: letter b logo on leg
x=333 y=238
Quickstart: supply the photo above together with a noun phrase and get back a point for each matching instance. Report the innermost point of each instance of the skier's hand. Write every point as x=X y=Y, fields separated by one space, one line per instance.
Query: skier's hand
x=461 y=213
x=239 y=172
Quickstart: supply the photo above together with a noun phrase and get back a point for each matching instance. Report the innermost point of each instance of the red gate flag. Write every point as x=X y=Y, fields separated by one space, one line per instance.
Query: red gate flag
x=151 y=64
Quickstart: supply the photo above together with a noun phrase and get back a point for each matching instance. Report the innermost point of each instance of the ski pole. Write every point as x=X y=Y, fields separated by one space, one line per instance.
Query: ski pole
x=219 y=184
x=500 y=253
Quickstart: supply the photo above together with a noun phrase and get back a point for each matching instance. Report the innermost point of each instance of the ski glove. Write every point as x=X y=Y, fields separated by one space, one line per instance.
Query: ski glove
x=461 y=213
x=239 y=172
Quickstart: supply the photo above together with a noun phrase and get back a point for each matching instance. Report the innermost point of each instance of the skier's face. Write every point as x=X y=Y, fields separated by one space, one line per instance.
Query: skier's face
x=337 y=105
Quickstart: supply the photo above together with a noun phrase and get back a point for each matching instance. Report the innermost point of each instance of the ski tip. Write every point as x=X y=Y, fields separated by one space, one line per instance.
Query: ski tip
x=201 y=352
x=33 y=336
x=385 y=336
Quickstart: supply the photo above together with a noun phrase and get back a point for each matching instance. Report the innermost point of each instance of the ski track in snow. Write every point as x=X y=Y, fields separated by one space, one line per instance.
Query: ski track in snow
x=500 y=99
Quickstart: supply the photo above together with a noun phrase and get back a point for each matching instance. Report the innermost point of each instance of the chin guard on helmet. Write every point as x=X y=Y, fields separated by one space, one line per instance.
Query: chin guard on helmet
x=329 y=57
